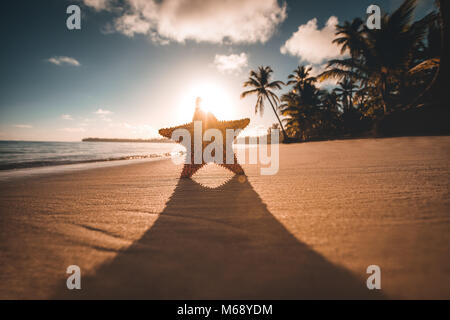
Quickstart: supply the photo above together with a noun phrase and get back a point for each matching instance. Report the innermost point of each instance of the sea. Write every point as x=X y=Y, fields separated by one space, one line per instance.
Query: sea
x=17 y=155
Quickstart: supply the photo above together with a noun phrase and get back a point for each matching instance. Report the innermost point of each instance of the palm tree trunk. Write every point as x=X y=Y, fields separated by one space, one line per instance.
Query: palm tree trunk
x=347 y=103
x=350 y=97
x=285 y=136
x=383 y=102
x=351 y=89
x=384 y=94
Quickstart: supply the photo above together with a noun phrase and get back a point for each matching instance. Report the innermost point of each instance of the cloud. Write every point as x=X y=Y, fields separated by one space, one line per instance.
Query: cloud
x=72 y=130
x=233 y=63
x=23 y=126
x=313 y=45
x=103 y=115
x=102 y=112
x=131 y=24
x=216 y=21
x=99 y=4
x=62 y=60
x=66 y=117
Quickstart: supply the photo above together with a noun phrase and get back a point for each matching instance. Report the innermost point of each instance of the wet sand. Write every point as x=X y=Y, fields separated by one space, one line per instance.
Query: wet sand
x=311 y=231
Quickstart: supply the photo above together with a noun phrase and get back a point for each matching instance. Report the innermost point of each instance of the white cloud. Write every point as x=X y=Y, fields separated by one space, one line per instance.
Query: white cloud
x=102 y=112
x=103 y=115
x=23 y=126
x=72 y=130
x=233 y=63
x=62 y=60
x=216 y=21
x=99 y=4
x=313 y=45
x=131 y=24
x=66 y=117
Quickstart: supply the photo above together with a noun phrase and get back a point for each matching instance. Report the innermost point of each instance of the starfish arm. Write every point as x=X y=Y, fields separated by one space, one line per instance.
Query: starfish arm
x=167 y=132
x=236 y=124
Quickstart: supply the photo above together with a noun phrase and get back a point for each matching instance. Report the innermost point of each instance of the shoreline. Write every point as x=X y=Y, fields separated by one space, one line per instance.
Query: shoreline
x=19 y=173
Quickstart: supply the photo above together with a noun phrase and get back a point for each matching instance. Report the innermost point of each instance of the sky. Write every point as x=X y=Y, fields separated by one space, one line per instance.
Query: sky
x=136 y=66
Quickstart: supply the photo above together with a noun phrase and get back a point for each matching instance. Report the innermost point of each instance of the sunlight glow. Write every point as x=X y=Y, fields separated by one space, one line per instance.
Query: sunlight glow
x=214 y=99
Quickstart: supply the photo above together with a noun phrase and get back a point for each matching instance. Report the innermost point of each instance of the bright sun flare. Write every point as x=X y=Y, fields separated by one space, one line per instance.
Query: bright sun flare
x=213 y=99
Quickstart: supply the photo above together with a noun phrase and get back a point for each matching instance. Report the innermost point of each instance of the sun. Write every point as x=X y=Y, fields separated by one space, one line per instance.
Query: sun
x=214 y=99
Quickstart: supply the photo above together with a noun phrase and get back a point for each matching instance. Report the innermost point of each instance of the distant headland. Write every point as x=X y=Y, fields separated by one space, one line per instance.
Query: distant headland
x=155 y=140
x=239 y=140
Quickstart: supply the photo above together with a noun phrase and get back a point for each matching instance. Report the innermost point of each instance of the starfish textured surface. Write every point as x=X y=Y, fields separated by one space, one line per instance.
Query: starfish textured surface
x=208 y=121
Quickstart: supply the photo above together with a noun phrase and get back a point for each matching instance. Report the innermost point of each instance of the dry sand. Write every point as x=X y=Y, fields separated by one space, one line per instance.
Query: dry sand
x=310 y=231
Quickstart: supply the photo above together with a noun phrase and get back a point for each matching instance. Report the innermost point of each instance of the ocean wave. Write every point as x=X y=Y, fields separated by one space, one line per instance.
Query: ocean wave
x=48 y=163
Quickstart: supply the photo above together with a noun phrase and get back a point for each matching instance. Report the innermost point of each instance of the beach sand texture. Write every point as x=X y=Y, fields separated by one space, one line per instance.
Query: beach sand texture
x=311 y=231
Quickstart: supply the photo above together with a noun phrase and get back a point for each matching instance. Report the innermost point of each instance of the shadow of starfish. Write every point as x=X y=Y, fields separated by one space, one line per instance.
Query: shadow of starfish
x=219 y=243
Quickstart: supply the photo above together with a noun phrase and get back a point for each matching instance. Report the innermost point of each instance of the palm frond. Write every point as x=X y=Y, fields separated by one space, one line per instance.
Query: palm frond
x=426 y=65
x=275 y=85
x=252 y=82
x=249 y=92
x=274 y=96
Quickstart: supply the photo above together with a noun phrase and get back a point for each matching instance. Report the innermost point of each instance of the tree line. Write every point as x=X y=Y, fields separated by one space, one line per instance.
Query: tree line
x=386 y=77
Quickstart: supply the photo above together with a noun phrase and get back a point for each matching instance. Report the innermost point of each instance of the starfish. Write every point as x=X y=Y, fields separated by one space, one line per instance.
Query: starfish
x=208 y=121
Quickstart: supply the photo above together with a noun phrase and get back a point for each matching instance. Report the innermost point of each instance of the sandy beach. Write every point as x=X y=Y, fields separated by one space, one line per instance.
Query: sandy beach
x=310 y=231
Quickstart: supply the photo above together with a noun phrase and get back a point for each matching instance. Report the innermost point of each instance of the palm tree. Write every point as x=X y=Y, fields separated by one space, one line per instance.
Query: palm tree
x=331 y=114
x=330 y=100
x=440 y=82
x=274 y=126
x=295 y=118
x=345 y=93
x=263 y=87
x=350 y=37
x=300 y=76
x=383 y=56
x=302 y=111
